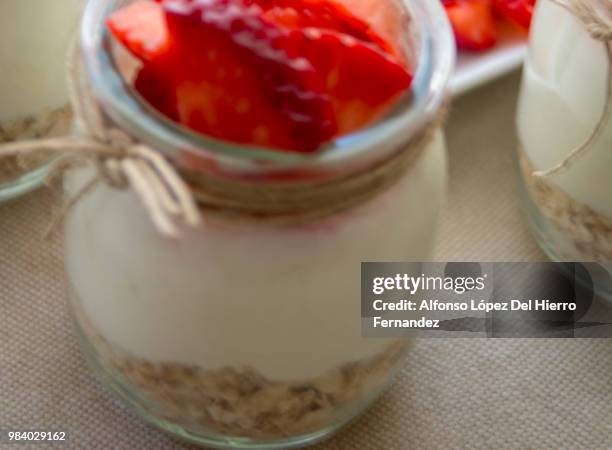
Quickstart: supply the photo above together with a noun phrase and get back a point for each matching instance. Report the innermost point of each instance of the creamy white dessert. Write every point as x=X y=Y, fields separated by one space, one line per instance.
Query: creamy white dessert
x=285 y=302
x=35 y=35
x=242 y=329
x=562 y=98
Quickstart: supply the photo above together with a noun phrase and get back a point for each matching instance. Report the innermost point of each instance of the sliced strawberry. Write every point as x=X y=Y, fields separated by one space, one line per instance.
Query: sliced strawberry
x=226 y=69
x=141 y=28
x=386 y=18
x=323 y=15
x=517 y=11
x=473 y=23
x=361 y=81
x=241 y=79
x=157 y=88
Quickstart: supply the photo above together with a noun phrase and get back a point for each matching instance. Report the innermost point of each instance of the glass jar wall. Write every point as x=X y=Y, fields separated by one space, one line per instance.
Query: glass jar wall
x=245 y=334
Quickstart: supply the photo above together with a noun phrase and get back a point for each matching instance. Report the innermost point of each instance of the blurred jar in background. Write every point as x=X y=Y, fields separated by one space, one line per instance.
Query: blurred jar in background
x=565 y=129
x=34 y=37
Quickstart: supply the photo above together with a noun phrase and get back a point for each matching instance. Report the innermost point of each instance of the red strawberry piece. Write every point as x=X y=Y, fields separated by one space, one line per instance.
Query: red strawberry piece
x=156 y=88
x=240 y=78
x=229 y=71
x=473 y=23
x=321 y=14
x=517 y=11
x=361 y=80
x=141 y=28
x=386 y=18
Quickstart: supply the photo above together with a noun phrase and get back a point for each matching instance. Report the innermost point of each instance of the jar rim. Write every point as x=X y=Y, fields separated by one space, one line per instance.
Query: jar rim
x=435 y=50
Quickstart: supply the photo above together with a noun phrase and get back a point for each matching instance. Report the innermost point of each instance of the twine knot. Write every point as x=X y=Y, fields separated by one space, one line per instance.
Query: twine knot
x=118 y=141
x=108 y=167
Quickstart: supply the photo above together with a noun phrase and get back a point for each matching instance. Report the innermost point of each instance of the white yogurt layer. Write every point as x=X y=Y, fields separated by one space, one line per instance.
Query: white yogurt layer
x=34 y=37
x=562 y=98
x=283 y=301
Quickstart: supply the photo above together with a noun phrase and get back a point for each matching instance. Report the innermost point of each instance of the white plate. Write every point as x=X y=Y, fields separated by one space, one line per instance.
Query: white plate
x=475 y=69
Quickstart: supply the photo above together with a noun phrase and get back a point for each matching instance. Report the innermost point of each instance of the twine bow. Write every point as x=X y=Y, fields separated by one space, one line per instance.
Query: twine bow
x=119 y=161
x=600 y=29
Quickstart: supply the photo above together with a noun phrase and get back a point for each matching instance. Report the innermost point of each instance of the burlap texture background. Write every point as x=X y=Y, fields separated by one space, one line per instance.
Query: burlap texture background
x=451 y=394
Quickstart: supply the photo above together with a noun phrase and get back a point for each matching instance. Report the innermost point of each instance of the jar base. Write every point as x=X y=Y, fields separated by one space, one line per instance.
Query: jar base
x=241 y=443
x=114 y=381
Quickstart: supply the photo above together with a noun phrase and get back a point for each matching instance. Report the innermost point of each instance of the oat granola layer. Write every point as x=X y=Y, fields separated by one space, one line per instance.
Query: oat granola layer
x=49 y=123
x=239 y=401
x=588 y=231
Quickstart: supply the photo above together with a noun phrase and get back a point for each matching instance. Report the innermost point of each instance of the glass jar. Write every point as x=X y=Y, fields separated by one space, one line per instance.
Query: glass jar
x=563 y=95
x=34 y=37
x=245 y=334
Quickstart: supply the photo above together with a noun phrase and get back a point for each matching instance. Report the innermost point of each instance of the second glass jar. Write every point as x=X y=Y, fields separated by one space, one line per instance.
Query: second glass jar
x=564 y=93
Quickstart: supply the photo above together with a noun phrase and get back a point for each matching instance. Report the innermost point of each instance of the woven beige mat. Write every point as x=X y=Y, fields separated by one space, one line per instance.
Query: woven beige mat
x=451 y=394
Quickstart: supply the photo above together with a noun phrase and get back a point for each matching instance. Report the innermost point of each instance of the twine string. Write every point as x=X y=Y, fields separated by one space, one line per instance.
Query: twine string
x=119 y=161
x=600 y=29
